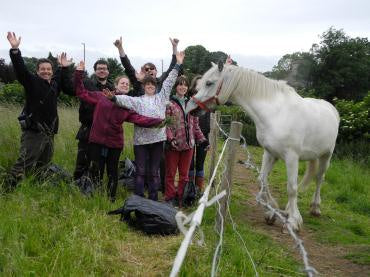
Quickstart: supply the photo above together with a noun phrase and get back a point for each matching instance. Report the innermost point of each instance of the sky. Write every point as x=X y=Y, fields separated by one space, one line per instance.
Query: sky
x=255 y=33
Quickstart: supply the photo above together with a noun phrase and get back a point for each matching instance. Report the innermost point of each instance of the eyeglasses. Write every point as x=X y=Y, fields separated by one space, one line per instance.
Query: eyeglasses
x=149 y=68
x=101 y=69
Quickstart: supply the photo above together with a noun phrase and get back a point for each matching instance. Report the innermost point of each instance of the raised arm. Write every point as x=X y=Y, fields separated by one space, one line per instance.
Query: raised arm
x=21 y=71
x=171 y=79
x=65 y=83
x=129 y=69
x=175 y=43
x=81 y=92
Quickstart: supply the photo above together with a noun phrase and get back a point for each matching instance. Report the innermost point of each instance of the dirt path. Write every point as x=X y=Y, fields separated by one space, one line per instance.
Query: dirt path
x=326 y=259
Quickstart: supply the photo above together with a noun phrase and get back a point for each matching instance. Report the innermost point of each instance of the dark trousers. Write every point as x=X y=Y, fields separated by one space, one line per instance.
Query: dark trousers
x=36 y=151
x=82 y=160
x=151 y=154
x=177 y=160
x=197 y=162
x=102 y=157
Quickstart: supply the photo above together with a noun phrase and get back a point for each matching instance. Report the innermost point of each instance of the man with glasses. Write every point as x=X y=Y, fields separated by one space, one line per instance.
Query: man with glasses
x=98 y=82
x=146 y=69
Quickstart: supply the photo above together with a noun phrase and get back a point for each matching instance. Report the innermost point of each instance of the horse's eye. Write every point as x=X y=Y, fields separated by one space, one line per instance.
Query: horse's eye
x=209 y=83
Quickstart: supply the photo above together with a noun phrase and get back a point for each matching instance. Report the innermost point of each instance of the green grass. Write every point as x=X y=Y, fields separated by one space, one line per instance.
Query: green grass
x=53 y=230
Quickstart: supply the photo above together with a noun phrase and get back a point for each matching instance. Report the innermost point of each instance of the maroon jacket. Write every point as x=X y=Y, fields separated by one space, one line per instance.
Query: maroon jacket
x=108 y=117
x=184 y=129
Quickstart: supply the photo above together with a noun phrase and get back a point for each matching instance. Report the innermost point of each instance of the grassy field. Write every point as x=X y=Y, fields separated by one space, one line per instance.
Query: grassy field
x=52 y=230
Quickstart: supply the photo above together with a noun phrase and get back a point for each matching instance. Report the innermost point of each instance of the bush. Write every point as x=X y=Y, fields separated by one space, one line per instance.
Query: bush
x=355 y=124
x=12 y=93
x=353 y=137
x=238 y=114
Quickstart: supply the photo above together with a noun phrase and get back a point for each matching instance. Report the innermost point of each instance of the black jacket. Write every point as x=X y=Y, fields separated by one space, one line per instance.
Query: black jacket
x=205 y=123
x=41 y=96
x=136 y=84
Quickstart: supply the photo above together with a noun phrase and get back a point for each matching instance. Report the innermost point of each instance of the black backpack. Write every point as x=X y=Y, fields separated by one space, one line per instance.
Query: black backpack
x=151 y=217
x=191 y=194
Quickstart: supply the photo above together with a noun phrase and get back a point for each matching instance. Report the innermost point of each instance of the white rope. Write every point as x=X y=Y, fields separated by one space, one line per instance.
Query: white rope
x=233 y=222
x=196 y=219
x=218 y=250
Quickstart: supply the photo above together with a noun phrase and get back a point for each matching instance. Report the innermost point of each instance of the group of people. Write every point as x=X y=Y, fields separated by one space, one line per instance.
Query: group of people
x=138 y=97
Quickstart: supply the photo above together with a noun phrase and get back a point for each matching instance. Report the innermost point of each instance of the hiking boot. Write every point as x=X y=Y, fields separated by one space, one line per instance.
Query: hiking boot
x=199 y=182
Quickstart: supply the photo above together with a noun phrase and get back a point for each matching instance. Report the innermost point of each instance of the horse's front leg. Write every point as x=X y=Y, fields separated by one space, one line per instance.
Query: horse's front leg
x=268 y=162
x=294 y=216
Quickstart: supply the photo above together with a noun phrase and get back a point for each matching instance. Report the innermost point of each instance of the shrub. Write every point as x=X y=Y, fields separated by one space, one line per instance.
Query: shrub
x=238 y=114
x=12 y=93
x=353 y=137
x=355 y=124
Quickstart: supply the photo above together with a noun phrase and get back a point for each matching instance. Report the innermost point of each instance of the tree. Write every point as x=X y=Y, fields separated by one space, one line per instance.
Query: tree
x=7 y=74
x=342 y=66
x=198 y=60
x=115 y=68
x=295 y=68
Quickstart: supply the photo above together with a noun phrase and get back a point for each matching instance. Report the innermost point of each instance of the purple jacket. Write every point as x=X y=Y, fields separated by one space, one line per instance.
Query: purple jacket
x=108 y=117
x=184 y=129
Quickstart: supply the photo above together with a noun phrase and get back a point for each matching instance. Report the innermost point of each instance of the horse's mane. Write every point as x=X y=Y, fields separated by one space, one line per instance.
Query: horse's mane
x=253 y=84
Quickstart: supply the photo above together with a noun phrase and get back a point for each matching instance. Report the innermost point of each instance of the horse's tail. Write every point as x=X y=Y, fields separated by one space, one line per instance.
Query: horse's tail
x=310 y=172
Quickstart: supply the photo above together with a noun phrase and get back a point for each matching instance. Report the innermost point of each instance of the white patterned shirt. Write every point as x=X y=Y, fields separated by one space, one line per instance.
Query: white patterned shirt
x=152 y=106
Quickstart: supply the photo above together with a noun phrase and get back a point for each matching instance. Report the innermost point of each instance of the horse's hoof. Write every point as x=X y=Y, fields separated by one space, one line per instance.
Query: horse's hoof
x=315 y=210
x=316 y=213
x=270 y=218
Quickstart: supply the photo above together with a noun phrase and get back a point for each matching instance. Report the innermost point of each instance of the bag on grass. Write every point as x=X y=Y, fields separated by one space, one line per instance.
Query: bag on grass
x=56 y=174
x=149 y=216
x=190 y=195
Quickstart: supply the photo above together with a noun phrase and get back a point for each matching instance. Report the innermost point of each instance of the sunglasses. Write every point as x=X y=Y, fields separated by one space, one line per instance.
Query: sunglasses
x=149 y=68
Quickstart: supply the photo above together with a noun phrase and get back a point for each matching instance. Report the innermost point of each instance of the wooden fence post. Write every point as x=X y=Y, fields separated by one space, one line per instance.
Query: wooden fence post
x=233 y=144
x=215 y=118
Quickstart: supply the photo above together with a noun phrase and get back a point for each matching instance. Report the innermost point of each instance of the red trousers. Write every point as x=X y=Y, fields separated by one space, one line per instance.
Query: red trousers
x=177 y=160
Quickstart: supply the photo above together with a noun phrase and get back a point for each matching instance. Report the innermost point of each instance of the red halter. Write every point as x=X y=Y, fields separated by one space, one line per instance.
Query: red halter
x=203 y=105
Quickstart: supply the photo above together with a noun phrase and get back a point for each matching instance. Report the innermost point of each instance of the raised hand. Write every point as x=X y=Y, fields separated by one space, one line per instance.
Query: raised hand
x=140 y=75
x=81 y=66
x=13 y=40
x=180 y=57
x=107 y=93
x=63 y=61
x=174 y=42
x=118 y=43
x=229 y=60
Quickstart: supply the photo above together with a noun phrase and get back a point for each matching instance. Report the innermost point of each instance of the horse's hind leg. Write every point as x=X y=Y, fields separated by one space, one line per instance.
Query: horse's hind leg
x=267 y=164
x=324 y=162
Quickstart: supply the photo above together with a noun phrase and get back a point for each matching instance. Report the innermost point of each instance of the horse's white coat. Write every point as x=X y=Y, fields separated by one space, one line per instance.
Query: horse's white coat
x=288 y=126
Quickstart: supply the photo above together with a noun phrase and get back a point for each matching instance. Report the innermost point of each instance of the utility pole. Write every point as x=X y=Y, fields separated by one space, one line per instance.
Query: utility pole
x=84 y=51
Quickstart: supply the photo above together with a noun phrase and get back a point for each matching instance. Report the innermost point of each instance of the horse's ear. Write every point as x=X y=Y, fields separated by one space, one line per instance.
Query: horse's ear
x=220 y=65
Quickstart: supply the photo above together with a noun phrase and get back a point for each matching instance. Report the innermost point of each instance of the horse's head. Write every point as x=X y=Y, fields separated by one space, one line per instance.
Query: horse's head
x=211 y=89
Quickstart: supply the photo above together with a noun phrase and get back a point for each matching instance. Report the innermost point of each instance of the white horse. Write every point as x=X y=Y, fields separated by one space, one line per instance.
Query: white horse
x=289 y=127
